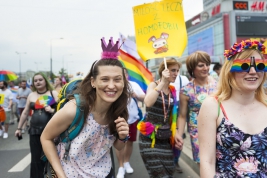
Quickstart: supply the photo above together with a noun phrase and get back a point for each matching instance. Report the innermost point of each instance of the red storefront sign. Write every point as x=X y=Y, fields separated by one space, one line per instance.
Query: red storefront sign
x=258 y=6
x=240 y=5
x=216 y=10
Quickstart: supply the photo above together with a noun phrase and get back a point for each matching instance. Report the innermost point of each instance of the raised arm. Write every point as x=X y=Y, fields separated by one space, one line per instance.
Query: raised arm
x=207 y=118
x=58 y=124
x=151 y=94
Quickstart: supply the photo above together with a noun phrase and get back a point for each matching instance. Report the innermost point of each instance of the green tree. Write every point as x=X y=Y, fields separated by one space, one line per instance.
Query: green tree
x=63 y=72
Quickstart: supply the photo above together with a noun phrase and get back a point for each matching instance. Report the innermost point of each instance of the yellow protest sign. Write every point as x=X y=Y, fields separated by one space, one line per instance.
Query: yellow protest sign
x=160 y=29
x=2 y=98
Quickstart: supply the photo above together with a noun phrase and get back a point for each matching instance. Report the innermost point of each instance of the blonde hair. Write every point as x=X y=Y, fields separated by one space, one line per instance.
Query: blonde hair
x=170 y=62
x=227 y=81
x=193 y=59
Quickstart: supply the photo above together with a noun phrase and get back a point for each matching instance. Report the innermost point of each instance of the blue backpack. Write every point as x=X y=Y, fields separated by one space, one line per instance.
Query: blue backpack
x=77 y=124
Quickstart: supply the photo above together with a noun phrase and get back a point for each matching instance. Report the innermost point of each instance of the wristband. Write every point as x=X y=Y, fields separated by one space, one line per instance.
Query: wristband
x=157 y=90
x=19 y=129
x=125 y=139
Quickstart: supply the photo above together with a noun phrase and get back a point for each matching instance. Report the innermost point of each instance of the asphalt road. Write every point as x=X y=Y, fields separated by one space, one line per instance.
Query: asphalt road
x=15 y=159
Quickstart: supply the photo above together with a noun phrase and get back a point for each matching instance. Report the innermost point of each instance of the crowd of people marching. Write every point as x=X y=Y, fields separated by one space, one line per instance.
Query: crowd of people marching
x=223 y=110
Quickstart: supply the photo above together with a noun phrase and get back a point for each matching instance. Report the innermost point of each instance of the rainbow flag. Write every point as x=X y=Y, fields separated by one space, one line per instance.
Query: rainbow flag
x=14 y=90
x=136 y=70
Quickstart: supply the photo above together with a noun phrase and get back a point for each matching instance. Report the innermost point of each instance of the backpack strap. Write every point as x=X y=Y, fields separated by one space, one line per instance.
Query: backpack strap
x=76 y=126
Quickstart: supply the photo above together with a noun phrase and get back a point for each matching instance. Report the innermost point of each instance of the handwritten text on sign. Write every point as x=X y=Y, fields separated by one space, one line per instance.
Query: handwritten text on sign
x=160 y=29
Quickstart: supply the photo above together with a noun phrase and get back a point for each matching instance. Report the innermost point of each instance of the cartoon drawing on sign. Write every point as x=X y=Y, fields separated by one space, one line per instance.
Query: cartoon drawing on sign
x=160 y=44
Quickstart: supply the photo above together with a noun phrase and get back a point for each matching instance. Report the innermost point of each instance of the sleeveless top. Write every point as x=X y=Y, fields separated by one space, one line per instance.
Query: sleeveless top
x=39 y=119
x=155 y=113
x=239 y=154
x=89 y=154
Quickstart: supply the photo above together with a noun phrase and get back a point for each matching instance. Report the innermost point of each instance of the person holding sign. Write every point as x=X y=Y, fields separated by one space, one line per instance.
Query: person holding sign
x=191 y=97
x=157 y=128
x=40 y=117
x=232 y=124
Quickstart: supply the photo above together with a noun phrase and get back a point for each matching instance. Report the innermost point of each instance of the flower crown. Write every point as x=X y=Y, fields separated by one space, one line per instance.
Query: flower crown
x=239 y=47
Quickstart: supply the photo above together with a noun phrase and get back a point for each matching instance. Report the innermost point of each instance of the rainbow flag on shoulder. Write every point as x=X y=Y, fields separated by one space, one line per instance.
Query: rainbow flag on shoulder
x=136 y=70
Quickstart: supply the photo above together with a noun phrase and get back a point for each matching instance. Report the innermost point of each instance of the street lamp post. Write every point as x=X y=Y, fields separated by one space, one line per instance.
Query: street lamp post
x=37 y=65
x=51 y=62
x=63 y=59
x=20 y=63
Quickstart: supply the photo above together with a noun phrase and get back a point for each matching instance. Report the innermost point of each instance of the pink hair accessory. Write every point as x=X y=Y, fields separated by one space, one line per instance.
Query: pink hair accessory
x=239 y=47
x=110 y=51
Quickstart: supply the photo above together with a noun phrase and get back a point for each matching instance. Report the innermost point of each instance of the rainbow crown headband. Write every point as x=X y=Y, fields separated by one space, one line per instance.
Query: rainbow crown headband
x=239 y=47
x=110 y=51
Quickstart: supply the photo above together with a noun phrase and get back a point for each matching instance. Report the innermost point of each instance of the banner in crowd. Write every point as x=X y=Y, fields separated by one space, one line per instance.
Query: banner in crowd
x=160 y=29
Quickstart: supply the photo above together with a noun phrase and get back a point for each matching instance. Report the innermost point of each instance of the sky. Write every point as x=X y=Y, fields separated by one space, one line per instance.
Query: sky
x=30 y=29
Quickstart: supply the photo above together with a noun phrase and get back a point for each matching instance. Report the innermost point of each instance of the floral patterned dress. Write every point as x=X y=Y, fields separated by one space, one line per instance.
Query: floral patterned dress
x=194 y=93
x=239 y=154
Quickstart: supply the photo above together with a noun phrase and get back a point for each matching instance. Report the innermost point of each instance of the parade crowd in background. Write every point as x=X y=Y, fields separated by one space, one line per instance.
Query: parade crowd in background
x=223 y=111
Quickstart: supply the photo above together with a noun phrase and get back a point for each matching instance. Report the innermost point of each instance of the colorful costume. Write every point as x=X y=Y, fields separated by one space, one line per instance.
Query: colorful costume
x=194 y=104
x=158 y=154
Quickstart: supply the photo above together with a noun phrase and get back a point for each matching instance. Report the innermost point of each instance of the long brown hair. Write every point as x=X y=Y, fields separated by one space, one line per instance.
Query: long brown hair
x=88 y=94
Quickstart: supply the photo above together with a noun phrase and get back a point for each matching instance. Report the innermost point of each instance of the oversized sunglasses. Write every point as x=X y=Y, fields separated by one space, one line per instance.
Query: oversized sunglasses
x=244 y=65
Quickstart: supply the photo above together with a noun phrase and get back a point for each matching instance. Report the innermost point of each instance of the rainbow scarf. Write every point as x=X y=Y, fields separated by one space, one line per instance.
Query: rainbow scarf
x=148 y=129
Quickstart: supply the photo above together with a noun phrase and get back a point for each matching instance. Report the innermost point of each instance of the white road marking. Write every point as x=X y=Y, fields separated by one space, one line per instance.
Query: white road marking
x=20 y=166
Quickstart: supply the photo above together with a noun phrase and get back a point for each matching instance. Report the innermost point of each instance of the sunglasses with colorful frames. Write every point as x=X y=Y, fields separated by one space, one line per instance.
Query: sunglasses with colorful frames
x=244 y=65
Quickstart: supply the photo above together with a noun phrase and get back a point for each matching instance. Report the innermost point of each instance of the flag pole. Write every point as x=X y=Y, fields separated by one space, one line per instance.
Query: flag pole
x=165 y=63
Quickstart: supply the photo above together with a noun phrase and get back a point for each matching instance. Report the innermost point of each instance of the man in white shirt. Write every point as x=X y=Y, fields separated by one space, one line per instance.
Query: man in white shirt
x=22 y=96
x=7 y=104
x=125 y=154
x=180 y=81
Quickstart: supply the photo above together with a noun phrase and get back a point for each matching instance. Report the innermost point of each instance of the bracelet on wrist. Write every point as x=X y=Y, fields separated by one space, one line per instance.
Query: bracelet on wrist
x=19 y=129
x=157 y=90
x=125 y=139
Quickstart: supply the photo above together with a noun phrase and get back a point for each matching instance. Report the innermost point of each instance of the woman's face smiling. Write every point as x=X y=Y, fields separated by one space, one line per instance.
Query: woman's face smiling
x=109 y=84
x=201 y=70
x=249 y=81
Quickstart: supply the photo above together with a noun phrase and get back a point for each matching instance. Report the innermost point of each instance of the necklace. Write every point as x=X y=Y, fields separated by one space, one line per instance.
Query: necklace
x=164 y=106
x=202 y=96
x=42 y=92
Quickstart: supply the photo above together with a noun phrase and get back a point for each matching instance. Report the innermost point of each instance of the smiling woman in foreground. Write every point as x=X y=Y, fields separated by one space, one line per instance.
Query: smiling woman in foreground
x=232 y=125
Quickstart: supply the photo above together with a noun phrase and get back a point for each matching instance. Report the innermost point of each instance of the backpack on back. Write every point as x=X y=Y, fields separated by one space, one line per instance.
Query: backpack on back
x=78 y=121
x=76 y=126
